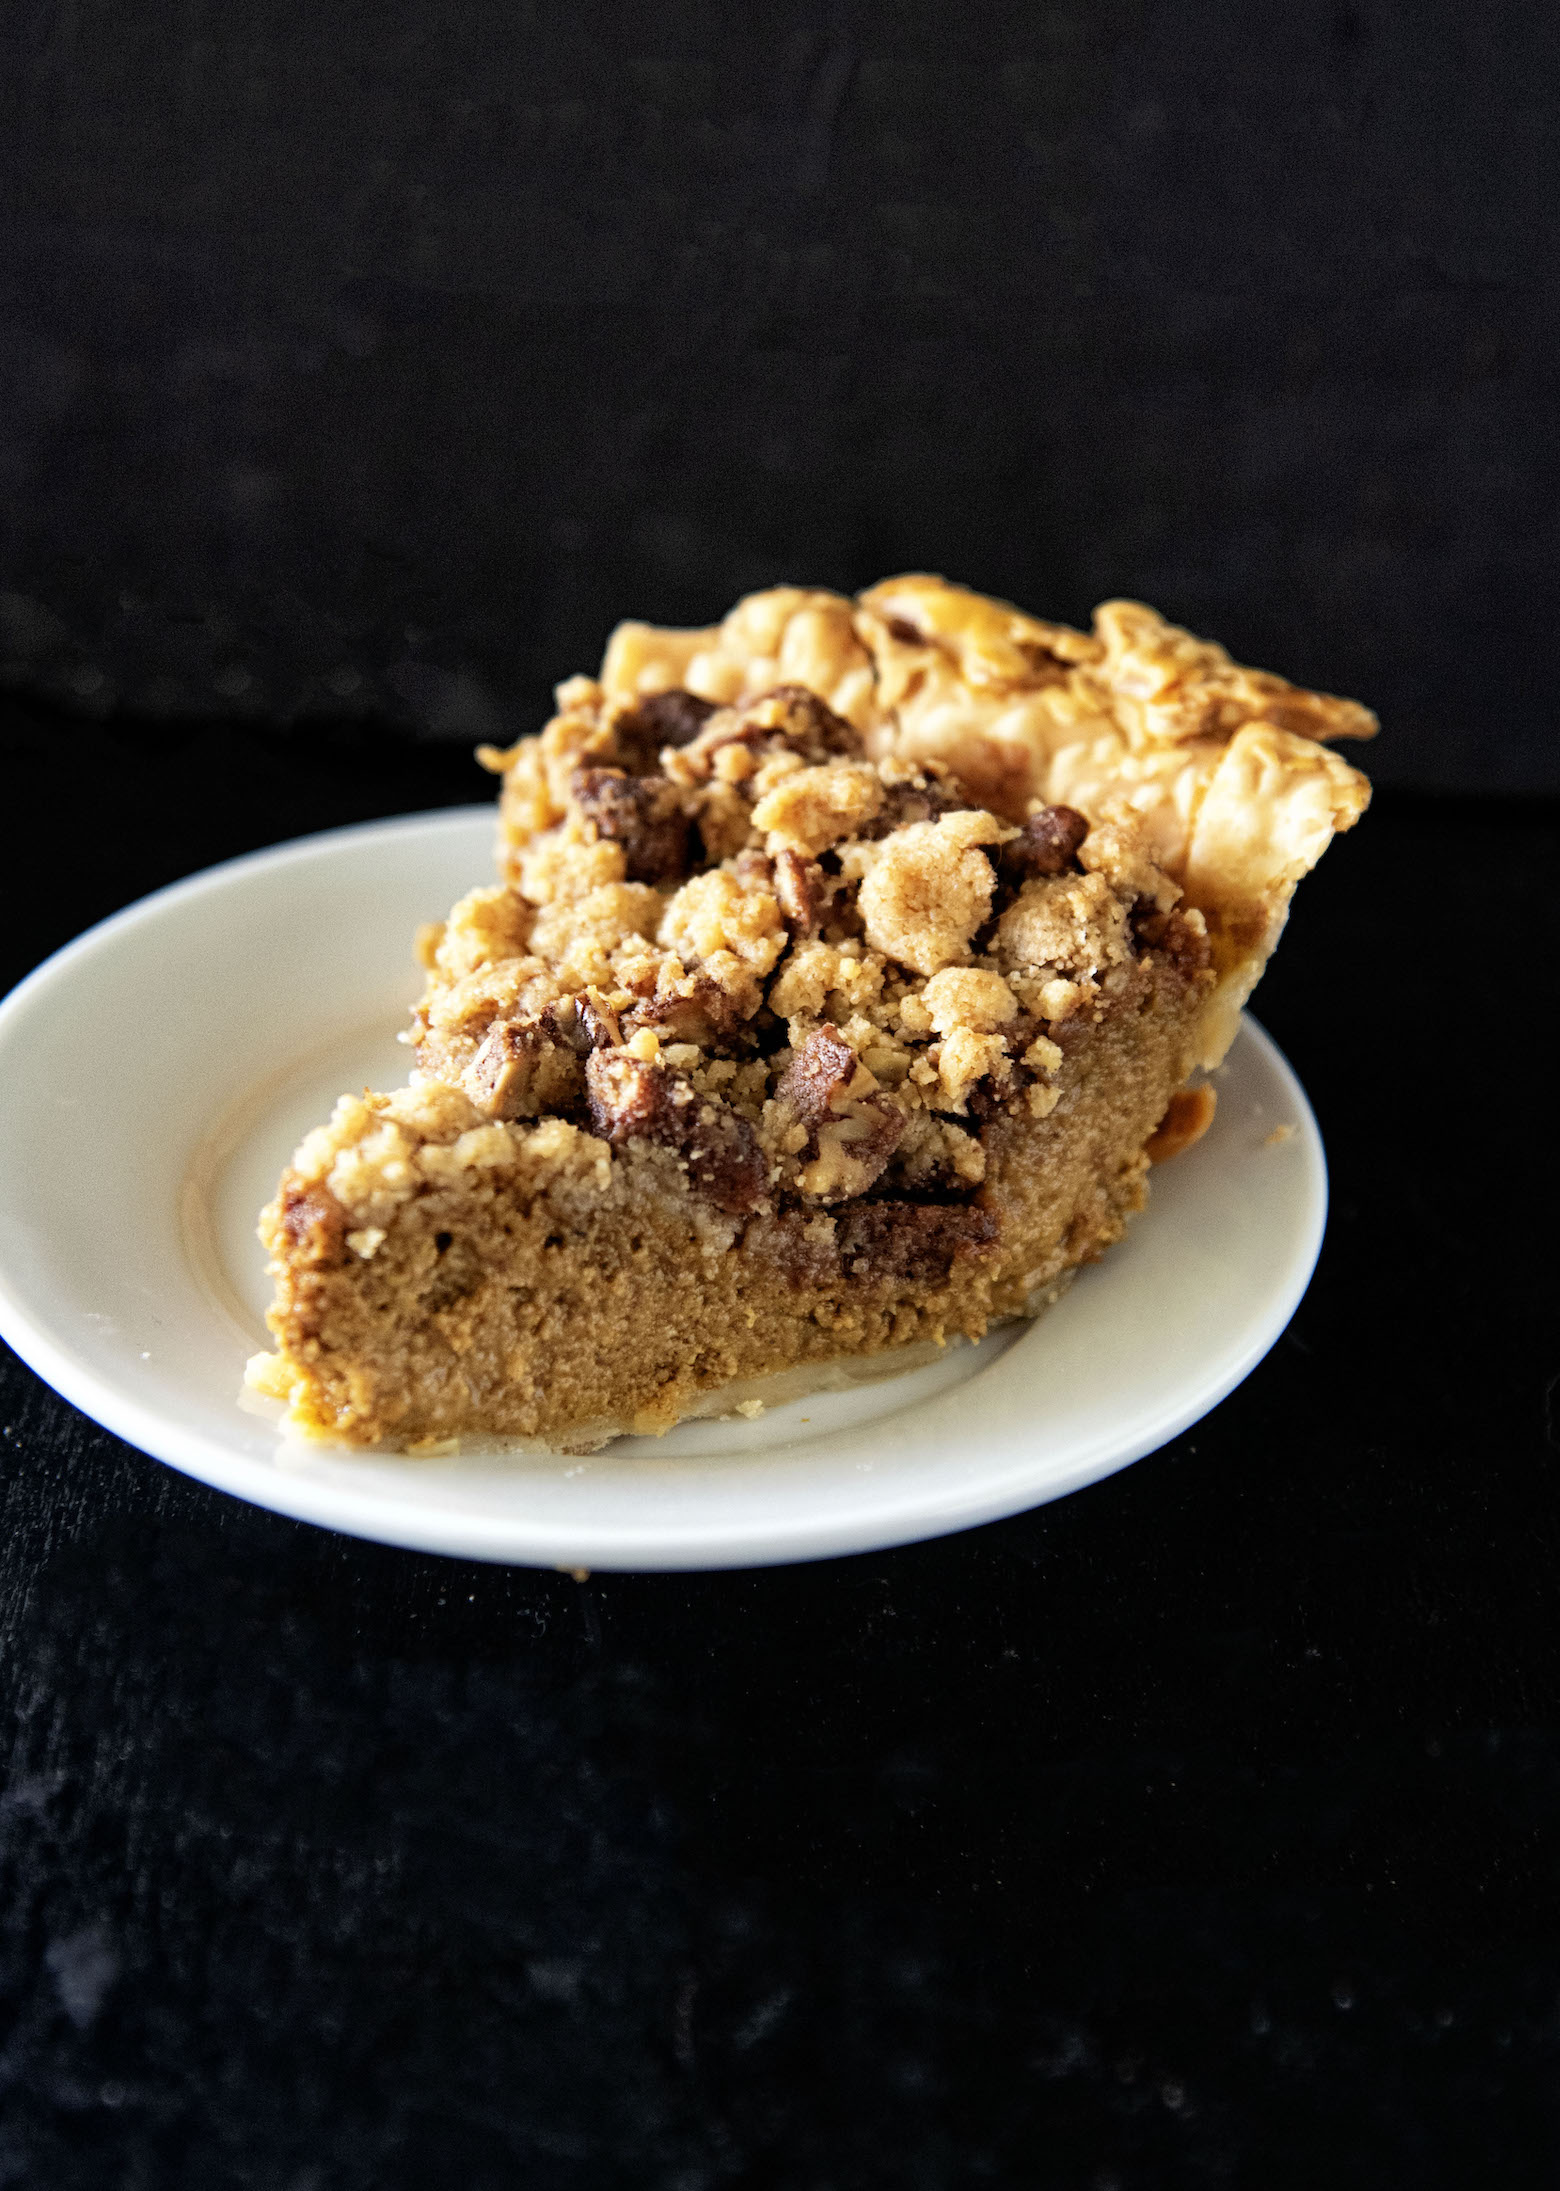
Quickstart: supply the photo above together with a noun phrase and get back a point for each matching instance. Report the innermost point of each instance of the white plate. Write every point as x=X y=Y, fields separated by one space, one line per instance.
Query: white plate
x=159 y=1071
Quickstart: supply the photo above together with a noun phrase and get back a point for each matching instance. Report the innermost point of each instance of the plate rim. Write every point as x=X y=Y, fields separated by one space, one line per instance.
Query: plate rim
x=282 y=854
x=720 y=1543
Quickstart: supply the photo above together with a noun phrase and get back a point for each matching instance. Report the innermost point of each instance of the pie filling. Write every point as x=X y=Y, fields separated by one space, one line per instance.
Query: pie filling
x=809 y=1018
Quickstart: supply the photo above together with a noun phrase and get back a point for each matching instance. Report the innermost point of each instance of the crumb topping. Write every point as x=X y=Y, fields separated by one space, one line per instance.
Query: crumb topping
x=815 y=896
x=811 y=809
x=1226 y=771
x=804 y=921
x=815 y=973
x=926 y=888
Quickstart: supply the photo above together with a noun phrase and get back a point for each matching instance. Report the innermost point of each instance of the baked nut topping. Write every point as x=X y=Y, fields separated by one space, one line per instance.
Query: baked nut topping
x=1047 y=844
x=874 y=958
x=643 y=815
x=628 y=1097
x=1226 y=771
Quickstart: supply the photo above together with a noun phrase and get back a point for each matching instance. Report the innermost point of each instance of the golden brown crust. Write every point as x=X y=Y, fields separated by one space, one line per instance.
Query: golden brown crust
x=1185 y=1122
x=1226 y=769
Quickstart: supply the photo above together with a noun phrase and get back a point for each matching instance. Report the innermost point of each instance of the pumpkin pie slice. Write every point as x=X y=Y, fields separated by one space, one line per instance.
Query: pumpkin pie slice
x=850 y=963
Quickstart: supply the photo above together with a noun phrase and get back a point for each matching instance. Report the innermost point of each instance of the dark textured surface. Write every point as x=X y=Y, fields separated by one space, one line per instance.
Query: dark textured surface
x=372 y=360
x=1196 y=1831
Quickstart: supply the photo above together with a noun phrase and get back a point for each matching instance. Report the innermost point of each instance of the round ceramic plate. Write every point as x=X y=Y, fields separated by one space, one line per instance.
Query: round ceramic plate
x=160 y=1071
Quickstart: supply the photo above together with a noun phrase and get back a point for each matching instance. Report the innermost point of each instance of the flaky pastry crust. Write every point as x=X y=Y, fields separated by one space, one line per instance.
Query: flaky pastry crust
x=1226 y=770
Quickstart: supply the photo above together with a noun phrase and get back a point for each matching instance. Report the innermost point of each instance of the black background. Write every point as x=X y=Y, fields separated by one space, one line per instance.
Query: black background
x=376 y=360
x=1200 y=1830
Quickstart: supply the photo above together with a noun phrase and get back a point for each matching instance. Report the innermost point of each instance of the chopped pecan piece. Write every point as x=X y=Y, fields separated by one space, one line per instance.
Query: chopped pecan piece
x=628 y=1096
x=818 y=1075
x=703 y=1012
x=920 y=1241
x=625 y=1095
x=520 y=1068
x=1047 y=844
x=314 y=1221
x=498 y=1079
x=852 y=1136
x=802 y=891
x=789 y=718
x=586 y=1022
x=641 y=813
x=659 y=720
x=597 y=1022
x=854 y=1146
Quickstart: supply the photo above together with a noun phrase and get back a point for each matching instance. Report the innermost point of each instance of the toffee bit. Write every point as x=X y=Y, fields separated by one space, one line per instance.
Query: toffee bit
x=802 y=891
x=659 y=720
x=820 y=1072
x=643 y=814
x=1046 y=845
x=926 y=799
x=630 y=1097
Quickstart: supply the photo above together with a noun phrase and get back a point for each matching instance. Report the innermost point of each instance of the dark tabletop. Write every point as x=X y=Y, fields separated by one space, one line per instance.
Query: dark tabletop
x=1200 y=1829
x=380 y=357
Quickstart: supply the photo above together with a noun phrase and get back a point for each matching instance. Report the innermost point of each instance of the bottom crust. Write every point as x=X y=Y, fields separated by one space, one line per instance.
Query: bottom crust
x=536 y=1283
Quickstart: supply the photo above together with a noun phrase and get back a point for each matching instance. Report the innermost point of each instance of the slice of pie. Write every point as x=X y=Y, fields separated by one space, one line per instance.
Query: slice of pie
x=850 y=964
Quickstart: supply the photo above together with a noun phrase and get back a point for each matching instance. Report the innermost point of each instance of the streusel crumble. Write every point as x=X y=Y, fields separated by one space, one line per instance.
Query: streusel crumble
x=845 y=974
